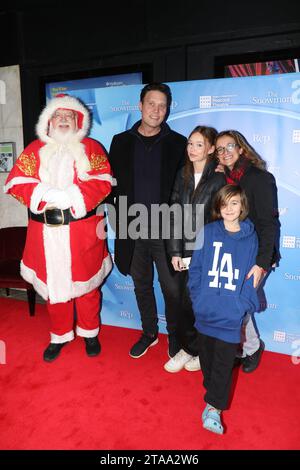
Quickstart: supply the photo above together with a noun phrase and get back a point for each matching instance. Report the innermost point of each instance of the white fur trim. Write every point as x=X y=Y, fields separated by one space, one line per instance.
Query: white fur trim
x=30 y=276
x=67 y=102
x=59 y=339
x=19 y=180
x=104 y=177
x=82 y=162
x=53 y=153
x=58 y=263
x=78 y=208
x=80 y=288
x=37 y=196
x=86 y=333
x=57 y=166
x=45 y=154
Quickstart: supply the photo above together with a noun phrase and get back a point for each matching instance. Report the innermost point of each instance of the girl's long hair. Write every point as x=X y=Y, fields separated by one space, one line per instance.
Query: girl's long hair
x=210 y=134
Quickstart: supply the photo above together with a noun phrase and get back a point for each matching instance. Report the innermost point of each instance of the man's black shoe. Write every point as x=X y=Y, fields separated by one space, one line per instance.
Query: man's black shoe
x=250 y=363
x=92 y=346
x=141 y=347
x=52 y=351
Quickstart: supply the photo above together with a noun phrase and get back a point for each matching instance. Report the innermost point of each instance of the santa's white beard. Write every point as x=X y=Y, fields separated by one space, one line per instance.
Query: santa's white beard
x=62 y=137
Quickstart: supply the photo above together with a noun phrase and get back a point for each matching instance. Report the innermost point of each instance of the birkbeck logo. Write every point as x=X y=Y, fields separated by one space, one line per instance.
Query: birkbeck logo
x=283 y=337
x=290 y=241
x=296 y=136
x=205 y=101
x=279 y=336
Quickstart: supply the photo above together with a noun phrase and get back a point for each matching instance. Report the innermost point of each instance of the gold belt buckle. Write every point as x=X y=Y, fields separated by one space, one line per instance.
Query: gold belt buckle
x=54 y=225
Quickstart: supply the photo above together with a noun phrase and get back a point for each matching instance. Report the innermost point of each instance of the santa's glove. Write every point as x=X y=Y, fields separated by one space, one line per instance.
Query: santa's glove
x=57 y=198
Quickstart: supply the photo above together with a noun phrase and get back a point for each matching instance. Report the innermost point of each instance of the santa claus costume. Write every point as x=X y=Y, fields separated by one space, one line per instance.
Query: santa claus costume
x=62 y=181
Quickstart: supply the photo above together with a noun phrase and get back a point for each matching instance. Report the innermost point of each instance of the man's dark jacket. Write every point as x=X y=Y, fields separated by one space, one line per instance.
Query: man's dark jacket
x=121 y=157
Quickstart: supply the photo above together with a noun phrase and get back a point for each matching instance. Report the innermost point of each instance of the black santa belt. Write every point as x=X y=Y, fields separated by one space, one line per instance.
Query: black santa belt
x=56 y=217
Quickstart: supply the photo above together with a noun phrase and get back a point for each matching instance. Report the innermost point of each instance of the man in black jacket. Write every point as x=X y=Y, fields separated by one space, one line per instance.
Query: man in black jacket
x=144 y=161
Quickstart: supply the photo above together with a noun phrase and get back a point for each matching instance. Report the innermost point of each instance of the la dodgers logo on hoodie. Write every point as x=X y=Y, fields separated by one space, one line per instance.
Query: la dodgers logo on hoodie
x=220 y=293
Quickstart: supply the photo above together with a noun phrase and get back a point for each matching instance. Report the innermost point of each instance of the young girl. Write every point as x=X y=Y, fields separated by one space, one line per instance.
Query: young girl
x=221 y=295
x=195 y=185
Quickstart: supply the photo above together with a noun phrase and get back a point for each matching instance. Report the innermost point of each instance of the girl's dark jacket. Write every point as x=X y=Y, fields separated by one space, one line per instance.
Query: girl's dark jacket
x=185 y=194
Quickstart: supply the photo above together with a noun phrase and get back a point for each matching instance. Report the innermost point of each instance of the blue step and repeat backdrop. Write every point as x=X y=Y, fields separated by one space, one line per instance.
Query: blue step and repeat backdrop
x=266 y=109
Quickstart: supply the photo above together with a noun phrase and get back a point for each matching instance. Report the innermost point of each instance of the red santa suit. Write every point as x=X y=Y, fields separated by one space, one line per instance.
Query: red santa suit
x=68 y=261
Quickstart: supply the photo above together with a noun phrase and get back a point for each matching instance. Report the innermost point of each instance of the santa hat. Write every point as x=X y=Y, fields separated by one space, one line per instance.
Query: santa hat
x=71 y=103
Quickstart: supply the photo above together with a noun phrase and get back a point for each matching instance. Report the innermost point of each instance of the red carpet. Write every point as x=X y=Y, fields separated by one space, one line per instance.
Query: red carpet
x=116 y=402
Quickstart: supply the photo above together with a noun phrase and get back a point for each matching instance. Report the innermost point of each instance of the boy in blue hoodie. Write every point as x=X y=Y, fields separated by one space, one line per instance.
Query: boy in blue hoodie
x=221 y=295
